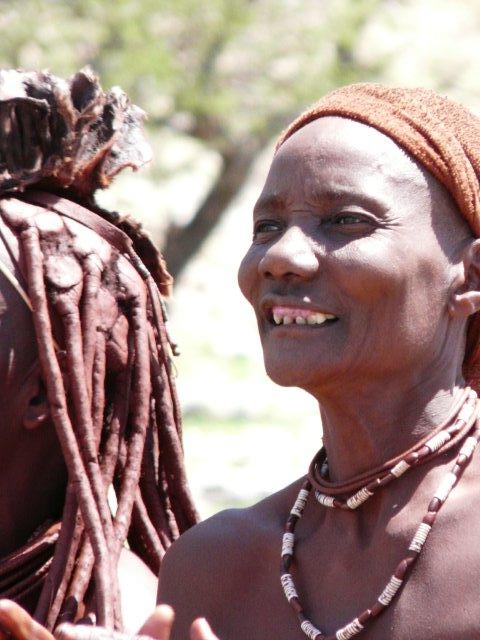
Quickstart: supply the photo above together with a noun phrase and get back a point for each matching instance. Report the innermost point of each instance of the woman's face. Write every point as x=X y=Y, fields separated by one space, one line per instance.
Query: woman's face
x=355 y=252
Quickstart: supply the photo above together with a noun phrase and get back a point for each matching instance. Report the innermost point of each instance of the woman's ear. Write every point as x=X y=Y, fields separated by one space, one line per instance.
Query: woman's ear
x=37 y=409
x=465 y=298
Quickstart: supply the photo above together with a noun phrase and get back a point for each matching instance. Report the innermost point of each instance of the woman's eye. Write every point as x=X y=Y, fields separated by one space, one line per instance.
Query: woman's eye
x=265 y=226
x=352 y=223
x=348 y=218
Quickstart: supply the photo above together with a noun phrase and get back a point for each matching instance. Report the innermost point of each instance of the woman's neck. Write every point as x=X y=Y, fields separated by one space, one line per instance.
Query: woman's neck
x=364 y=427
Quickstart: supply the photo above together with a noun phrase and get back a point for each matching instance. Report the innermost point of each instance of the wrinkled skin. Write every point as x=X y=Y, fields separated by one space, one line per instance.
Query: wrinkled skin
x=350 y=225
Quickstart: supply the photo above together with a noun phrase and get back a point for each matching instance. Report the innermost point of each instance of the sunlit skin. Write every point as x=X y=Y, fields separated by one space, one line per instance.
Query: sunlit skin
x=349 y=225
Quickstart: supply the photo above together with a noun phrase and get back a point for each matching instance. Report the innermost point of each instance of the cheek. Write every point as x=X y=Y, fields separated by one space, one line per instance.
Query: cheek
x=248 y=274
x=395 y=295
x=362 y=278
x=400 y=273
x=389 y=294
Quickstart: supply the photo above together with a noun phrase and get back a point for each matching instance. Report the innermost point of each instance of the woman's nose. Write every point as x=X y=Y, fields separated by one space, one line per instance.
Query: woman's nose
x=290 y=256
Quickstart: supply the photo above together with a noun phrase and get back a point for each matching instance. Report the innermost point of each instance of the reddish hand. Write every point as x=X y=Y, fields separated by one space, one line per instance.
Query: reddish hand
x=19 y=624
x=159 y=625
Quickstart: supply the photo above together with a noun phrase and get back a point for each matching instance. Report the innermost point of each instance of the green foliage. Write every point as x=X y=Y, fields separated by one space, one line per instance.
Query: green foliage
x=224 y=71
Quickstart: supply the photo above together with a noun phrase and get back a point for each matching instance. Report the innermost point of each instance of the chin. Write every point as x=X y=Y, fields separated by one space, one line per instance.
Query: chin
x=297 y=373
x=304 y=357
x=282 y=378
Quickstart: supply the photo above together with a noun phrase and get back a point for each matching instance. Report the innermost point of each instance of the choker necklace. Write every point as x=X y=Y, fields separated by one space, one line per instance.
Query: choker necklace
x=461 y=421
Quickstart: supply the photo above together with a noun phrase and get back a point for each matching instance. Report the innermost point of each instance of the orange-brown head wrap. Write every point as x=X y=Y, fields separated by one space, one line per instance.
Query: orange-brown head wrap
x=441 y=134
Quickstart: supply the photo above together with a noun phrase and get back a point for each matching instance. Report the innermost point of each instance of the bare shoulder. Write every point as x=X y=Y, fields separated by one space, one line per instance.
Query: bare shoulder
x=210 y=564
x=227 y=536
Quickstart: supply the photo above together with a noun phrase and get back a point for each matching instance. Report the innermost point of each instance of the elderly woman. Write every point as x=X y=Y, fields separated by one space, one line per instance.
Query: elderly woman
x=364 y=275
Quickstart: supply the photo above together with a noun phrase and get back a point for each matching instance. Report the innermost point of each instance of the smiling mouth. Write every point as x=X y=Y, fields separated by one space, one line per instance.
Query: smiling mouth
x=295 y=316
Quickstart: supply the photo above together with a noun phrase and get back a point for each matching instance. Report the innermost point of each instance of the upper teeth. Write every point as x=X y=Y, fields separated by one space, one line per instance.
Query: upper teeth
x=311 y=318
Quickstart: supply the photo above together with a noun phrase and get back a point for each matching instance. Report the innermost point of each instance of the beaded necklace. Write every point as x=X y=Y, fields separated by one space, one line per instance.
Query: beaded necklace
x=462 y=420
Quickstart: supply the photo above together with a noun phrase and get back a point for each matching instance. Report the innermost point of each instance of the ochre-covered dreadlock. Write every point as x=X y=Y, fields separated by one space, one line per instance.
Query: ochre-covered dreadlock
x=94 y=283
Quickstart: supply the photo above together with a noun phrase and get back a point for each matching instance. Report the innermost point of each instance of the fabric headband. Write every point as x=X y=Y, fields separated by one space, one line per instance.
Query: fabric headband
x=438 y=132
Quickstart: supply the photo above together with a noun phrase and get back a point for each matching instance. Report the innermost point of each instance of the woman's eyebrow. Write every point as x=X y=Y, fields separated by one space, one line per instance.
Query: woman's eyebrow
x=324 y=195
x=269 y=203
x=346 y=194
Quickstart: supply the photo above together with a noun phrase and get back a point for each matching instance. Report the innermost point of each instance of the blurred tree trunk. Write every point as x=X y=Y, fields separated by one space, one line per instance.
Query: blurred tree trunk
x=182 y=243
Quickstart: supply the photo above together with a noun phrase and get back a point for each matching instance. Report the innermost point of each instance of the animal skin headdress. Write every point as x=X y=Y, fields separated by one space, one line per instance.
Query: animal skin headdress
x=441 y=134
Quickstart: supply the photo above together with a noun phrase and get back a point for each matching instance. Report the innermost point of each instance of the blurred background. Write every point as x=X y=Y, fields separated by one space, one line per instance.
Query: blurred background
x=219 y=80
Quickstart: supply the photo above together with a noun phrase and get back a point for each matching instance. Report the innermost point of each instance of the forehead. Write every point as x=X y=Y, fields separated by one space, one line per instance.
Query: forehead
x=335 y=161
x=338 y=154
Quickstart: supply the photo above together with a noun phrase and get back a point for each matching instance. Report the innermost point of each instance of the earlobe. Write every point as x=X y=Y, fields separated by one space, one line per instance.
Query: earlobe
x=465 y=298
x=37 y=410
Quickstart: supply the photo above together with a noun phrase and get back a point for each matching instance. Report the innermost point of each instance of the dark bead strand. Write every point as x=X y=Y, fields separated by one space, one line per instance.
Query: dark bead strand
x=423 y=452
x=382 y=482
x=402 y=568
x=296 y=606
x=377 y=609
x=462 y=460
x=365 y=616
x=290 y=526
x=412 y=458
x=373 y=486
